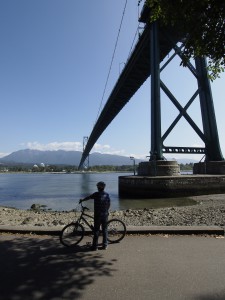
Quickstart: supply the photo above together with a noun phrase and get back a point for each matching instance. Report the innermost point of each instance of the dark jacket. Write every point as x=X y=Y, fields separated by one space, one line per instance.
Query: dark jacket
x=101 y=203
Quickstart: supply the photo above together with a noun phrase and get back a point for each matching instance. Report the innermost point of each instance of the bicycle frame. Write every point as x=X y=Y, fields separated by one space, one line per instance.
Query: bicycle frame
x=81 y=218
x=73 y=233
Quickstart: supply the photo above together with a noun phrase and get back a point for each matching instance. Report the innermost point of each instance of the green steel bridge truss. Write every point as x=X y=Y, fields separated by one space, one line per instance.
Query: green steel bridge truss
x=154 y=44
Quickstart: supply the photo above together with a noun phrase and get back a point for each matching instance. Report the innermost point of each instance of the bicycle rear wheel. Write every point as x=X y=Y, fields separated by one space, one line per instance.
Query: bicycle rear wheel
x=72 y=234
x=116 y=230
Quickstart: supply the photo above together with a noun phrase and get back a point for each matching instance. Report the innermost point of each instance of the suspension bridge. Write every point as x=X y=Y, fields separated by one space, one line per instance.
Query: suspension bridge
x=153 y=46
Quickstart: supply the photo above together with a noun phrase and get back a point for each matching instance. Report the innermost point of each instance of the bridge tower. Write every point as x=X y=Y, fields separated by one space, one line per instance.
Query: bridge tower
x=157 y=165
x=86 y=162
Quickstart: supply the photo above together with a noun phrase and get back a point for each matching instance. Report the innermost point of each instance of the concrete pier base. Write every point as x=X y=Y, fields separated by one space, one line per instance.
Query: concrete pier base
x=170 y=186
x=162 y=179
x=159 y=168
x=210 y=167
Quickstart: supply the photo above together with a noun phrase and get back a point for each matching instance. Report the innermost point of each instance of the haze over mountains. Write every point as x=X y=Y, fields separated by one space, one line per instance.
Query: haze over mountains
x=62 y=157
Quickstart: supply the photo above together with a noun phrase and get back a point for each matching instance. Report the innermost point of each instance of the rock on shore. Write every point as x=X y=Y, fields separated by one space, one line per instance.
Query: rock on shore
x=209 y=210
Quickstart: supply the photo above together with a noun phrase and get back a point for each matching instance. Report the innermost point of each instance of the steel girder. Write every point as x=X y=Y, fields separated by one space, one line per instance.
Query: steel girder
x=137 y=69
x=134 y=74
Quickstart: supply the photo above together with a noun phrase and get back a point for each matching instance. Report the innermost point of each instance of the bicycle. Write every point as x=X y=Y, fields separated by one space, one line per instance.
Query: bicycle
x=73 y=233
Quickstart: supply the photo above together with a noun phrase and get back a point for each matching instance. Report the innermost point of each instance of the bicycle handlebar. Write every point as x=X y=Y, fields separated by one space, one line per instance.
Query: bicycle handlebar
x=83 y=207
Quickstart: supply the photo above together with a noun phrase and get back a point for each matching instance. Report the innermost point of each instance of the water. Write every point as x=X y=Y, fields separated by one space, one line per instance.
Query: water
x=63 y=191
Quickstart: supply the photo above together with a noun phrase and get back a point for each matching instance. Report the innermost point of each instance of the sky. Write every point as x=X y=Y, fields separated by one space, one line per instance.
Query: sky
x=55 y=57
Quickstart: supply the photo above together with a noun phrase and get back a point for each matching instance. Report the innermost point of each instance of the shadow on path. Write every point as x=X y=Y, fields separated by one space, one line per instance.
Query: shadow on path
x=40 y=268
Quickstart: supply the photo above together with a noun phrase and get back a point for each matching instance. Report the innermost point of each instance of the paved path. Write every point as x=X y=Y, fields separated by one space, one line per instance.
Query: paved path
x=140 y=267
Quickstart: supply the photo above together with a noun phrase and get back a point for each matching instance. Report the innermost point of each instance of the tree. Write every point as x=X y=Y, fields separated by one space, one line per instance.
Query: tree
x=202 y=22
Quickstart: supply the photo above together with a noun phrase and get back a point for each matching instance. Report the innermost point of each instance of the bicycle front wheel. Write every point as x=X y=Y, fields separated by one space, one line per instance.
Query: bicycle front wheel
x=72 y=234
x=116 y=230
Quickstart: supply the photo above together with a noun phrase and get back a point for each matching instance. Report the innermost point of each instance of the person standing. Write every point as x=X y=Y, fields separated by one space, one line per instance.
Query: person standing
x=101 y=212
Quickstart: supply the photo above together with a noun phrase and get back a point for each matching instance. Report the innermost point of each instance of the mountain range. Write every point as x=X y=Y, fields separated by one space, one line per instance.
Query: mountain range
x=62 y=157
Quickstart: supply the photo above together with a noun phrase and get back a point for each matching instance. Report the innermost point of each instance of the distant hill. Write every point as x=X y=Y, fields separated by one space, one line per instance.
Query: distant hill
x=62 y=157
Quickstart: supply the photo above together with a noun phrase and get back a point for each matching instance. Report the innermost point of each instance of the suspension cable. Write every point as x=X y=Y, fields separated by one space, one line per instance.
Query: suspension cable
x=131 y=48
x=112 y=60
x=137 y=31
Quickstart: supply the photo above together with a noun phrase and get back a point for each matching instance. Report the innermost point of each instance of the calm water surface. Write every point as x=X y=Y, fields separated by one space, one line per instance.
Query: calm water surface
x=63 y=191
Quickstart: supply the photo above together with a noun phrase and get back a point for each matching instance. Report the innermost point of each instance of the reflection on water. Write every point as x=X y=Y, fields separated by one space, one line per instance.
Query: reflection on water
x=63 y=191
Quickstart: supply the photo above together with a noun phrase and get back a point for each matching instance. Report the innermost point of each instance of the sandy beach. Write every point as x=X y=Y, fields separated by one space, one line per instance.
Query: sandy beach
x=209 y=210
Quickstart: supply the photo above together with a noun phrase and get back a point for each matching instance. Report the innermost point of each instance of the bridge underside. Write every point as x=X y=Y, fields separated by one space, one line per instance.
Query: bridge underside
x=134 y=74
x=140 y=65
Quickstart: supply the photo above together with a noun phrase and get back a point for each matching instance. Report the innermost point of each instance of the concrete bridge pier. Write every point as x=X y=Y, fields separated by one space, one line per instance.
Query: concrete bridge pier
x=159 y=168
x=172 y=168
x=210 y=167
x=162 y=179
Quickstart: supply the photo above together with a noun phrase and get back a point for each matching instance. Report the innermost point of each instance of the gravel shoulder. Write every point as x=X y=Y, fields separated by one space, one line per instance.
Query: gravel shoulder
x=209 y=211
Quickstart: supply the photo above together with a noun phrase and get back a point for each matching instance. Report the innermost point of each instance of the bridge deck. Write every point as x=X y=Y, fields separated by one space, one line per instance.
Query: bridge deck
x=134 y=74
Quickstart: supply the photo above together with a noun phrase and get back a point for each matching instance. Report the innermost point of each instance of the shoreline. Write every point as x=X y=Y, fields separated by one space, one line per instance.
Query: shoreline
x=209 y=211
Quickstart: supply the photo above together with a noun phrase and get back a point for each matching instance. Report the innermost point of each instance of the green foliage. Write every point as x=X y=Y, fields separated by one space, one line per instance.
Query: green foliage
x=70 y=169
x=62 y=168
x=186 y=167
x=203 y=24
x=109 y=168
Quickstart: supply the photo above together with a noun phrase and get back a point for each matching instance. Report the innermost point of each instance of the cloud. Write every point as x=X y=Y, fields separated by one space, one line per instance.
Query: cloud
x=53 y=146
x=3 y=154
x=72 y=146
x=78 y=146
x=107 y=149
x=139 y=156
x=99 y=147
